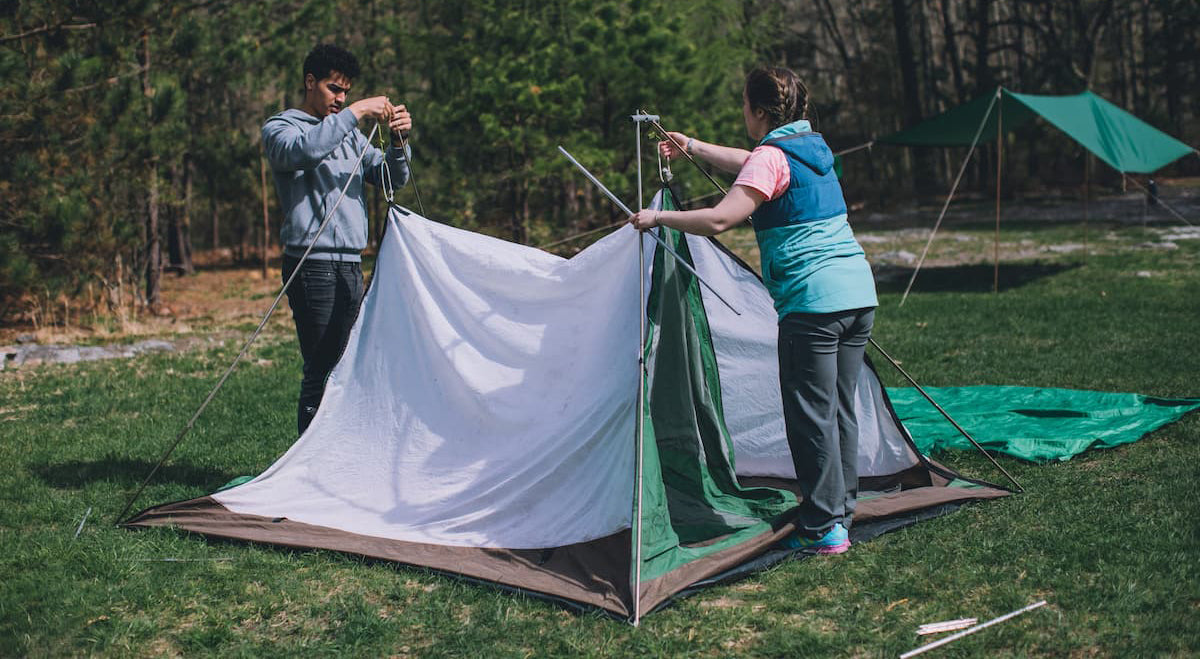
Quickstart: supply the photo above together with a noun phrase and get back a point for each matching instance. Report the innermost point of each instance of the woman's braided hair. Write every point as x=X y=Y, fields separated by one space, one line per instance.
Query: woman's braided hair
x=779 y=93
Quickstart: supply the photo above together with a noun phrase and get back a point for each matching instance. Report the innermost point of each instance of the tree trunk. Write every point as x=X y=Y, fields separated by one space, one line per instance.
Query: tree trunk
x=179 y=248
x=922 y=166
x=153 y=247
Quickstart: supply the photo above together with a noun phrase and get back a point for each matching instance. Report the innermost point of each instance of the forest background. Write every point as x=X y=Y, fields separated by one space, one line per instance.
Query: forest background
x=130 y=129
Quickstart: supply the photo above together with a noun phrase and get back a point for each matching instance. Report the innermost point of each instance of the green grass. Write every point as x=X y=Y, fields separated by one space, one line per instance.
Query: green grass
x=1110 y=538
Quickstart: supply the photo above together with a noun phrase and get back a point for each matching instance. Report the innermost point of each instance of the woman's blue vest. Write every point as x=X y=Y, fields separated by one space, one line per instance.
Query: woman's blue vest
x=814 y=192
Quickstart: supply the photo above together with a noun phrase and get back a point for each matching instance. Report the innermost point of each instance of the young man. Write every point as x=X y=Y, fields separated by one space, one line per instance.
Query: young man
x=313 y=151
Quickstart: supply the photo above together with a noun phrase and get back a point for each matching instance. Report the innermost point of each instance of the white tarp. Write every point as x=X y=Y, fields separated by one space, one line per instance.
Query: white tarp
x=486 y=398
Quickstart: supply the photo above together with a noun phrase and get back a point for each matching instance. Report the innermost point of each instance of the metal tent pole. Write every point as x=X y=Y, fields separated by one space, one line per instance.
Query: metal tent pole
x=636 y=586
x=945 y=414
x=667 y=248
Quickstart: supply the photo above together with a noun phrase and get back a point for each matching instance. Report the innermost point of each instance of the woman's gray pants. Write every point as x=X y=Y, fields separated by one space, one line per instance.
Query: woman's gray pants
x=819 y=360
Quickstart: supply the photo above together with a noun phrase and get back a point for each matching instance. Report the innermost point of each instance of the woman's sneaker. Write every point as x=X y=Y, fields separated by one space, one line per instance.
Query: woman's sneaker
x=835 y=541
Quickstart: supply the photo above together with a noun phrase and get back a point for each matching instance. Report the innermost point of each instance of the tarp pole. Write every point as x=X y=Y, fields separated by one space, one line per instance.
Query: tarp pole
x=1087 y=197
x=950 y=196
x=999 y=169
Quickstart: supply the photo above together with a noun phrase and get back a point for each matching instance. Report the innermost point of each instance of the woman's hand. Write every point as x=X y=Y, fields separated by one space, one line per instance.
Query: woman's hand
x=670 y=149
x=644 y=219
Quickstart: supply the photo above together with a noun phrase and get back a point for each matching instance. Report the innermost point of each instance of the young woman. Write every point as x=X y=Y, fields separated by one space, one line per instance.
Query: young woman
x=819 y=278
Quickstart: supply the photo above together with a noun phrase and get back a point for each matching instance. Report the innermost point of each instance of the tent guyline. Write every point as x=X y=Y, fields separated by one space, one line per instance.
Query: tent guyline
x=629 y=213
x=946 y=205
x=886 y=356
x=1158 y=199
x=254 y=335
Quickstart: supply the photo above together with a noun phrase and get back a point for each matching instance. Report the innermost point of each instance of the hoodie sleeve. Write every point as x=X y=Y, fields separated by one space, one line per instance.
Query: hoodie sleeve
x=397 y=165
x=291 y=147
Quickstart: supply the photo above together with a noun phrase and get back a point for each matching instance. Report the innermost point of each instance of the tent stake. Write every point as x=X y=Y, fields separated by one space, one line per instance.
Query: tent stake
x=972 y=630
x=945 y=414
x=620 y=204
x=82 y=522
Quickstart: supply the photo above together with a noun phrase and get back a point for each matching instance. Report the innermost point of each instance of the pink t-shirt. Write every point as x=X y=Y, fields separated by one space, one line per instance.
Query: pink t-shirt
x=767 y=171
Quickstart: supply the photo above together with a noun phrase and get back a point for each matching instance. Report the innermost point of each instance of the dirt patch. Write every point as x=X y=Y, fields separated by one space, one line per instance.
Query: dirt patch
x=214 y=298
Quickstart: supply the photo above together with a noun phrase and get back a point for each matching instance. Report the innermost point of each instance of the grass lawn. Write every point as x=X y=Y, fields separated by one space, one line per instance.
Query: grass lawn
x=1110 y=538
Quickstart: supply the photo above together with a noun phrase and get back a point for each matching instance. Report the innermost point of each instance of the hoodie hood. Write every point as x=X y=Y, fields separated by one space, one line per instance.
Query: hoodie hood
x=807 y=148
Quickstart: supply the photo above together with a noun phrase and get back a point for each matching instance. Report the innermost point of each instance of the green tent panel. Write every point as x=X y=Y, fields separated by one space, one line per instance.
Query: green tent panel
x=1117 y=137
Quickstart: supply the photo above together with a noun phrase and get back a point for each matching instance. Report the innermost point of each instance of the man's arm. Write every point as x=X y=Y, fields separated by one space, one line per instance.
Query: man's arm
x=290 y=147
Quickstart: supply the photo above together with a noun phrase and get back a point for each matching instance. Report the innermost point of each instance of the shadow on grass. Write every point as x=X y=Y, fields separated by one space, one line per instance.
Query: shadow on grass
x=79 y=473
x=975 y=278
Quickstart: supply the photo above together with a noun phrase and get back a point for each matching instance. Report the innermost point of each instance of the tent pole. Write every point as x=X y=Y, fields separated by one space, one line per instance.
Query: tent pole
x=945 y=414
x=636 y=586
x=999 y=166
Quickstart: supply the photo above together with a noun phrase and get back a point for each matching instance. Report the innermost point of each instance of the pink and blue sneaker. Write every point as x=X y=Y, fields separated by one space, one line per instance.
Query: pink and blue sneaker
x=835 y=541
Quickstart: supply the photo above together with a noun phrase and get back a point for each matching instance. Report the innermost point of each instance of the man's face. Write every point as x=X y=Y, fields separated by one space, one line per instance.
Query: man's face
x=327 y=95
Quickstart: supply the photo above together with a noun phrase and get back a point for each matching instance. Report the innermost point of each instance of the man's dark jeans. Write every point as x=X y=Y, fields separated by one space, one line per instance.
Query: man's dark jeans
x=324 y=298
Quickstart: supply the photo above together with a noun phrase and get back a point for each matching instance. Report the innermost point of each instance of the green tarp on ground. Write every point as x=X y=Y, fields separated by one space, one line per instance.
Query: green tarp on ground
x=1032 y=423
x=1120 y=139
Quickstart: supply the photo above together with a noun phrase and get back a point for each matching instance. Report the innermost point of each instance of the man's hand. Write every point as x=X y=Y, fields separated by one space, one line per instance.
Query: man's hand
x=377 y=108
x=401 y=121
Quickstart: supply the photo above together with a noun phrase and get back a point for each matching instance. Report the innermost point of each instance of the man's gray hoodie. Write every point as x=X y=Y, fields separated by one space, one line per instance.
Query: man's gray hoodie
x=311 y=159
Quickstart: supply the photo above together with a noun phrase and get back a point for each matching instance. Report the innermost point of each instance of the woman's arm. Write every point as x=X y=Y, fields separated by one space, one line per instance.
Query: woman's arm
x=739 y=204
x=725 y=158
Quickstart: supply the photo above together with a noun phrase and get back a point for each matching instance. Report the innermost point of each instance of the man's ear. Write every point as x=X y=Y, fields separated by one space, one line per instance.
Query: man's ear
x=309 y=81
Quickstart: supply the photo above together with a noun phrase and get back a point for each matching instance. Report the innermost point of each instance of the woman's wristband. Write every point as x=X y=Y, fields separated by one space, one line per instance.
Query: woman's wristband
x=691 y=141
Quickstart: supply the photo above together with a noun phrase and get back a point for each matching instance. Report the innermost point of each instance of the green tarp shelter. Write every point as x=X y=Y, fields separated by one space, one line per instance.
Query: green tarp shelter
x=1126 y=143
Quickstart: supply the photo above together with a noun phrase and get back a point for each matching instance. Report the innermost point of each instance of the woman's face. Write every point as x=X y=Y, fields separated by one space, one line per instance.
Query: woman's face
x=756 y=120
